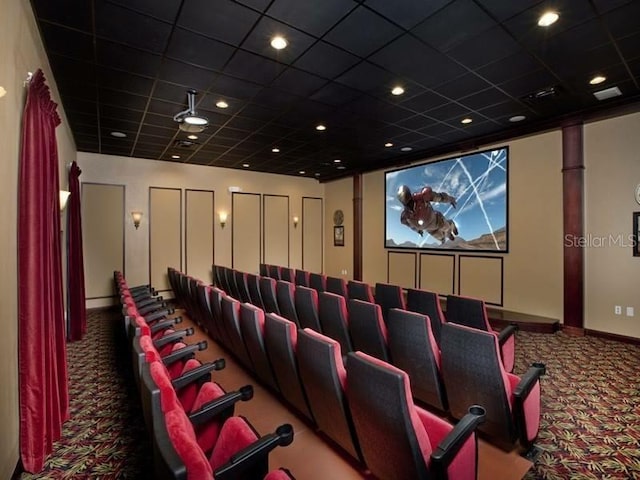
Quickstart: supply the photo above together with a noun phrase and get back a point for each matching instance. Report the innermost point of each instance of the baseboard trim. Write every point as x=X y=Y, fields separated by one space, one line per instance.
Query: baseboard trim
x=574 y=331
x=613 y=336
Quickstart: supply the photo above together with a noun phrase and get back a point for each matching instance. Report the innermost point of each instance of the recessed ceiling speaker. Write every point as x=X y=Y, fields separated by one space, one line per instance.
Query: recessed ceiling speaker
x=189 y=120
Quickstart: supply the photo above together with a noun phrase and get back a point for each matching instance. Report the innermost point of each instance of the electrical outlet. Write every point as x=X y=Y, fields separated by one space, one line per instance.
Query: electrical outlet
x=630 y=312
x=617 y=310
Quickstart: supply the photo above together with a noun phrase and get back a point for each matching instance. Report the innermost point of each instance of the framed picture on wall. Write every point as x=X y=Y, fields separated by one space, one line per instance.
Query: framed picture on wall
x=636 y=234
x=338 y=236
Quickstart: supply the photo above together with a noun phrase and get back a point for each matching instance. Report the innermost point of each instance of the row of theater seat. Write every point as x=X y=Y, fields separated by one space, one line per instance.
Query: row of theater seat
x=365 y=406
x=190 y=418
x=440 y=371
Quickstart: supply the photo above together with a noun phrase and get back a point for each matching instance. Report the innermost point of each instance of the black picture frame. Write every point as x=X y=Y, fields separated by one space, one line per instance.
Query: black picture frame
x=636 y=234
x=338 y=236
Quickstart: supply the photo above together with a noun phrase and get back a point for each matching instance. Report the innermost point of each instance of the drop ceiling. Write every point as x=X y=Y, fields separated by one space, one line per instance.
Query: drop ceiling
x=125 y=66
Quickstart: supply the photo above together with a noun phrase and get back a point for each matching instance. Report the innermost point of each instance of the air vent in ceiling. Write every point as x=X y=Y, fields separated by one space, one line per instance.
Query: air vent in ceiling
x=607 y=93
x=184 y=144
x=543 y=94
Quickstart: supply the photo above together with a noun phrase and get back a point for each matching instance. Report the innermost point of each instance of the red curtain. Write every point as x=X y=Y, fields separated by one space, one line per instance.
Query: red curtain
x=76 y=309
x=42 y=356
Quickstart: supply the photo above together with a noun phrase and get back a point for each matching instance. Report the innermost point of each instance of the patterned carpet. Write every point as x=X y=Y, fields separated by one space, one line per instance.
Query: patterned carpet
x=105 y=437
x=590 y=427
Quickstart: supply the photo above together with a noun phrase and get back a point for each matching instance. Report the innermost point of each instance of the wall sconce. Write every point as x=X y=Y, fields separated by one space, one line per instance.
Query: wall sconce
x=295 y=222
x=223 y=219
x=64 y=198
x=137 y=216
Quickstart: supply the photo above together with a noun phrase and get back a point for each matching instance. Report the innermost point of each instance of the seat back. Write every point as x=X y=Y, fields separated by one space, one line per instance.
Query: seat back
x=318 y=282
x=274 y=272
x=302 y=278
x=337 y=285
x=243 y=288
x=467 y=311
x=393 y=440
x=415 y=351
x=367 y=329
x=203 y=292
x=334 y=319
x=360 y=291
x=284 y=296
x=389 y=296
x=253 y=284
x=231 y=282
x=473 y=374
x=252 y=328
x=215 y=297
x=281 y=337
x=427 y=303
x=231 y=318
x=324 y=378
x=306 y=301
x=263 y=270
x=268 y=292
x=287 y=274
x=217 y=276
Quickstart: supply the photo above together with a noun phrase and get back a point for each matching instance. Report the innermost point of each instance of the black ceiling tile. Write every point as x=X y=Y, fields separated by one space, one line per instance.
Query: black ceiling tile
x=260 y=5
x=108 y=140
x=259 y=112
x=454 y=136
x=151 y=141
x=171 y=93
x=220 y=142
x=634 y=65
x=72 y=70
x=408 y=138
x=366 y=77
x=82 y=129
x=121 y=113
x=157 y=130
x=461 y=86
x=244 y=123
x=509 y=68
x=425 y=101
x=305 y=14
x=86 y=138
x=259 y=40
x=335 y=94
x=436 y=129
x=414 y=123
x=201 y=51
x=164 y=121
x=362 y=32
x=506 y=109
x=298 y=82
x=630 y=46
x=273 y=98
x=120 y=25
x=502 y=10
x=122 y=99
x=165 y=10
x=618 y=22
x=529 y=83
x=489 y=46
x=65 y=41
x=118 y=125
x=128 y=59
x=232 y=133
x=326 y=60
x=254 y=68
x=227 y=22
x=604 y=6
x=448 y=111
x=187 y=75
x=125 y=82
x=406 y=13
x=76 y=119
x=571 y=42
x=483 y=98
x=115 y=150
x=478 y=128
x=234 y=87
x=276 y=130
x=79 y=105
x=580 y=68
x=163 y=108
x=76 y=13
x=450 y=26
x=201 y=160
x=142 y=153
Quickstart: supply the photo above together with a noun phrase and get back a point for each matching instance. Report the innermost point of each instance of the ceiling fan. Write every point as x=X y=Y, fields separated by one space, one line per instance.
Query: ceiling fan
x=189 y=120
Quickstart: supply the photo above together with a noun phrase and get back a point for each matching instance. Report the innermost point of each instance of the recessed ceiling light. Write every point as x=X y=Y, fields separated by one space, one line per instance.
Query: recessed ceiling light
x=175 y=156
x=302 y=172
x=275 y=150
x=517 y=118
x=192 y=137
x=597 y=79
x=222 y=104
x=406 y=149
x=397 y=90
x=337 y=160
x=278 y=42
x=388 y=144
x=466 y=120
x=341 y=167
x=3 y=92
x=321 y=128
x=118 y=134
x=245 y=165
x=548 y=18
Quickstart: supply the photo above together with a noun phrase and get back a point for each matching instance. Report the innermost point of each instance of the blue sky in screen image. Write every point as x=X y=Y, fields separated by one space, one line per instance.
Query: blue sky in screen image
x=477 y=181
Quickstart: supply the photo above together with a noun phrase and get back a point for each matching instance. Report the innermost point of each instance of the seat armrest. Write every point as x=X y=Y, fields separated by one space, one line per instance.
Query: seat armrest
x=529 y=379
x=172 y=337
x=184 y=353
x=162 y=325
x=506 y=333
x=255 y=457
x=222 y=406
x=197 y=374
x=450 y=445
x=158 y=315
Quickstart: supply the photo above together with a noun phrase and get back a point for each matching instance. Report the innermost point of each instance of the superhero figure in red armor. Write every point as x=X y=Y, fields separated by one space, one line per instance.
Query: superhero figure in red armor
x=419 y=215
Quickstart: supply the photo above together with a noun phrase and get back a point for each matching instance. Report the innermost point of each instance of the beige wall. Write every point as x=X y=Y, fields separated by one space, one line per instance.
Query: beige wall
x=339 y=196
x=139 y=174
x=612 y=160
x=20 y=51
x=533 y=266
